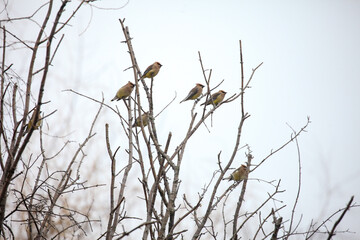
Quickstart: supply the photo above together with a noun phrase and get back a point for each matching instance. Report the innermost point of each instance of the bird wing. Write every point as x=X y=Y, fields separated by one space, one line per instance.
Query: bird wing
x=119 y=94
x=213 y=97
x=191 y=94
x=147 y=70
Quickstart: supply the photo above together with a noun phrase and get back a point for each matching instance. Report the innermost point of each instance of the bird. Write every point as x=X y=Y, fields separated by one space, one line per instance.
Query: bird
x=31 y=122
x=145 y=120
x=124 y=91
x=239 y=174
x=215 y=98
x=151 y=70
x=194 y=93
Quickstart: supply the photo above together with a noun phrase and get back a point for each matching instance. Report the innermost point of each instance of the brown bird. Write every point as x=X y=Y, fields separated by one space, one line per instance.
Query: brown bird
x=194 y=93
x=145 y=120
x=216 y=98
x=124 y=91
x=152 y=70
x=31 y=122
x=239 y=174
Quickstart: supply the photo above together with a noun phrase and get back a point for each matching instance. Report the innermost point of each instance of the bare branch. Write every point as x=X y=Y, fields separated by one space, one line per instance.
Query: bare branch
x=299 y=184
x=332 y=232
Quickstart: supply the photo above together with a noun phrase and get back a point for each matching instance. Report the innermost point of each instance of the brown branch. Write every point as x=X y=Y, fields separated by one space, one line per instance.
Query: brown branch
x=24 y=18
x=2 y=92
x=241 y=196
x=70 y=17
x=332 y=232
x=92 y=99
x=209 y=208
x=242 y=80
x=261 y=205
x=316 y=230
x=17 y=38
x=299 y=184
x=115 y=221
x=277 y=225
x=112 y=182
x=303 y=129
x=272 y=213
x=124 y=234
x=14 y=104
x=167 y=105
x=184 y=216
x=53 y=55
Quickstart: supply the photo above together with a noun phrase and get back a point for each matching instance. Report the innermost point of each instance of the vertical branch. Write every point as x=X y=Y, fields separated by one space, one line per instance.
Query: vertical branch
x=121 y=197
x=237 y=143
x=30 y=221
x=299 y=184
x=210 y=206
x=112 y=181
x=241 y=197
x=2 y=86
x=2 y=92
x=2 y=133
x=242 y=79
x=207 y=81
x=168 y=204
x=136 y=71
x=14 y=106
x=277 y=225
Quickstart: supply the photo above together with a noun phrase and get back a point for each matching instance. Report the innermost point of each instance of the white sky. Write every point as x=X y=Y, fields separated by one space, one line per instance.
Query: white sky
x=311 y=56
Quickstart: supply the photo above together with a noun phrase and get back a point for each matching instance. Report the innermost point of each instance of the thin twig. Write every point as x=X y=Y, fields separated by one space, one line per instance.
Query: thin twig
x=299 y=184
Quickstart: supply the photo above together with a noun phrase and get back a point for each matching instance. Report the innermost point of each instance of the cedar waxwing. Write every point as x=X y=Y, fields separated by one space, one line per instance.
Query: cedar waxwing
x=152 y=70
x=145 y=120
x=239 y=174
x=194 y=93
x=31 y=122
x=124 y=91
x=215 y=98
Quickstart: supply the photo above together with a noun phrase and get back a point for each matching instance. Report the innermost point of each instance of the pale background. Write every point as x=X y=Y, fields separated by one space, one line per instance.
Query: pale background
x=311 y=55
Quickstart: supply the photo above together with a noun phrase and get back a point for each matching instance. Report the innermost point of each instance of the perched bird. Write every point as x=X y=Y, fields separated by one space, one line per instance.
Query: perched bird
x=124 y=91
x=31 y=122
x=215 y=98
x=152 y=70
x=239 y=174
x=145 y=120
x=194 y=93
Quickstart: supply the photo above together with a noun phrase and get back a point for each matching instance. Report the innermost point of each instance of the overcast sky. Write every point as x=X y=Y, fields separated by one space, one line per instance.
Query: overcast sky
x=311 y=67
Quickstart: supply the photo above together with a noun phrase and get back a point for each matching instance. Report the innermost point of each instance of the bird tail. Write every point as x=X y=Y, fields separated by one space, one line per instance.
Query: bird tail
x=228 y=178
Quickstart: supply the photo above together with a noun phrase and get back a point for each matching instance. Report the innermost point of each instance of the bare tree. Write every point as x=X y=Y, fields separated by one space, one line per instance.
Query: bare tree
x=39 y=202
